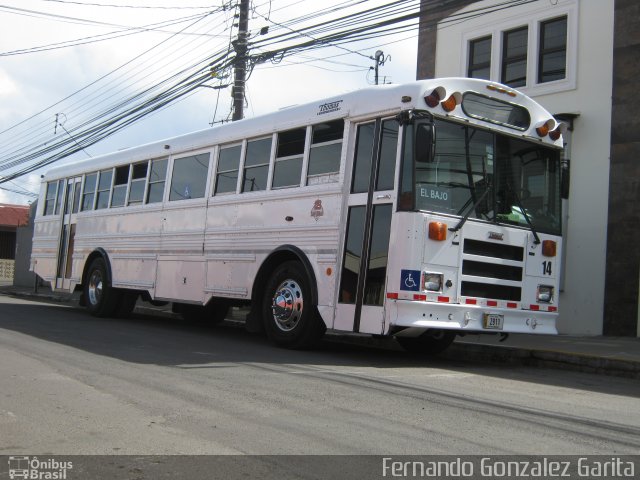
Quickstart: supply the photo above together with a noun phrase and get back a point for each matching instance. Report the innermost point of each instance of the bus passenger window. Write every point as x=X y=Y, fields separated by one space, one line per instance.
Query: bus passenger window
x=288 y=165
x=50 y=198
x=138 y=179
x=89 y=191
x=256 y=165
x=104 y=186
x=59 y=199
x=189 y=178
x=228 y=165
x=120 y=186
x=324 y=154
x=157 y=179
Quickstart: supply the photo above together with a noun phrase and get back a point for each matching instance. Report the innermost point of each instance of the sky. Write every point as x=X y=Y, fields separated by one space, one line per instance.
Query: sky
x=36 y=102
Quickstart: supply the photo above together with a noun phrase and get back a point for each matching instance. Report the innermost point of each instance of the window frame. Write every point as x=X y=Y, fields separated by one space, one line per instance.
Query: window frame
x=506 y=60
x=545 y=51
x=481 y=65
x=535 y=16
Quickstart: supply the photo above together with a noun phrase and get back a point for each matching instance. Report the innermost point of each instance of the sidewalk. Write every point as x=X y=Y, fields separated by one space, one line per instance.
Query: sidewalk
x=616 y=356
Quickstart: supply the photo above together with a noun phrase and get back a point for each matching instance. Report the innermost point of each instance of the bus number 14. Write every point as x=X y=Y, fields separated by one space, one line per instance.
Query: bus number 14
x=546 y=268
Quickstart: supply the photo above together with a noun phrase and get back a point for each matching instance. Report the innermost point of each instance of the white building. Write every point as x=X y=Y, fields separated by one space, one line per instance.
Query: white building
x=572 y=56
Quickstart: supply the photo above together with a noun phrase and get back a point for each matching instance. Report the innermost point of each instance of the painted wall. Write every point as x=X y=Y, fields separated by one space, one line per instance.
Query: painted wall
x=587 y=92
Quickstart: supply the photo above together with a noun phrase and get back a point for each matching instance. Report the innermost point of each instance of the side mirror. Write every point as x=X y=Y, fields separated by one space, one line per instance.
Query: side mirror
x=425 y=145
x=565 y=175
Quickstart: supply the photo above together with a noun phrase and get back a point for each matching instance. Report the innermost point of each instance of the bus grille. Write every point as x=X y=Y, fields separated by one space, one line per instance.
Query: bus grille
x=491 y=270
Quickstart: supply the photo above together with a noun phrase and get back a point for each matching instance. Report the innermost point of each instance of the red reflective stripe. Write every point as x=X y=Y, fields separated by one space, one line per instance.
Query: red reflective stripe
x=534 y=307
x=420 y=298
x=392 y=296
x=553 y=309
x=512 y=305
x=443 y=299
x=492 y=303
x=471 y=301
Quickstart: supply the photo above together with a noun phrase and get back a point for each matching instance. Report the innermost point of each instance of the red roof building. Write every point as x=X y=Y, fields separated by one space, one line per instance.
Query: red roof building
x=11 y=217
x=14 y=216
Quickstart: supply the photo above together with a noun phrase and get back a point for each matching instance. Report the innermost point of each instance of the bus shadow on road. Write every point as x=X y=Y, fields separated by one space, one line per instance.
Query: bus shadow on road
x=173 y=342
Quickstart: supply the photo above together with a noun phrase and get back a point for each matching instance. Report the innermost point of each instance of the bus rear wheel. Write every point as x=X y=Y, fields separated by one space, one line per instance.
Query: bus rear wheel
x=290 y=320
x=100 y=297
x=431 y=342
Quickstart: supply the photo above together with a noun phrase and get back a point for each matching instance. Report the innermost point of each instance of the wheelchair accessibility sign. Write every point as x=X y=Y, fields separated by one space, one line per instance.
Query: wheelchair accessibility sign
x=410 y=280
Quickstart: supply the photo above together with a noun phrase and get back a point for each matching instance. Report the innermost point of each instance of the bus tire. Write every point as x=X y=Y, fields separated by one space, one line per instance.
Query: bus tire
x=127 y=303
x=431 y=342
x=101 y=298
x=290 y=319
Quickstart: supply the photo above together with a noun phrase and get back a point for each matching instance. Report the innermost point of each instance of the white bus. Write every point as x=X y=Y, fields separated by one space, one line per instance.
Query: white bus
x=420 y=211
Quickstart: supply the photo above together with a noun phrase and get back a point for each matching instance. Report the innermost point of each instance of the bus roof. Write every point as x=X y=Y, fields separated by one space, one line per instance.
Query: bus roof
x=366 y=102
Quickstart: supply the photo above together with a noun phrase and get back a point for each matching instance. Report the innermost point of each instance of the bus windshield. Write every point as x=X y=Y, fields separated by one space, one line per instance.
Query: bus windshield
x=484 y=174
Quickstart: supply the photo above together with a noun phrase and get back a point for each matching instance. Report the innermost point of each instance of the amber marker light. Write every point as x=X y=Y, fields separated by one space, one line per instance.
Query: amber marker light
x=452 y=102
x=549 y=248
x=544 y=128
x=437 y=231
x=433 y=99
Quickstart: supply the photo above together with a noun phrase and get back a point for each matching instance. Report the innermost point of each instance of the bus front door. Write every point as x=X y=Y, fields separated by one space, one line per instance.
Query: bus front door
x=71 y=206
x=366 y=244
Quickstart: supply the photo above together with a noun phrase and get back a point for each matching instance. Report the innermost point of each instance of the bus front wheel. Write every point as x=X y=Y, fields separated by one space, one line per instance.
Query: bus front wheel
x=290 y=319
x=101 y=299
x=429 y=343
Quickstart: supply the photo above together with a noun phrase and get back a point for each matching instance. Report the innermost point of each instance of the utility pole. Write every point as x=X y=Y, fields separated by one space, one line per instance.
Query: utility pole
x=240 y=64
x=379 y=59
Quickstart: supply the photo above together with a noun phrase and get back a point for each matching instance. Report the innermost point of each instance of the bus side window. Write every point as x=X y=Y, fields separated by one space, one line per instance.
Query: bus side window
x=256 y=165
x=138 y=180
x=89 y=191
x=228 y=165
x=288 y=163
x=120 y=186
x=59 y=198
x=325 y=151
x=189 y=178
x=157 y=179
x=50 y=198
x=104 y=187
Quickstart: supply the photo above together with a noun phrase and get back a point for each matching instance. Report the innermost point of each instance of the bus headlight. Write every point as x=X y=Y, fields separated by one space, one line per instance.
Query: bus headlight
x=432 y=282
x=544 y=294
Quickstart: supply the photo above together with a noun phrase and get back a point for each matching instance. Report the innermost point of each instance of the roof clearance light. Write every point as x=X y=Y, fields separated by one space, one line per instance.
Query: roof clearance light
x=542 y=129
x=450 y=103
x=437 y=231
x=559 y=130
x=433 y=99
x=549 y=248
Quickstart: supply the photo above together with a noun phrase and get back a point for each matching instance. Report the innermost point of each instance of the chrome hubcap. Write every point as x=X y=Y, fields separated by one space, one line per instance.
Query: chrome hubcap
x=95 y=287
x=287 y=305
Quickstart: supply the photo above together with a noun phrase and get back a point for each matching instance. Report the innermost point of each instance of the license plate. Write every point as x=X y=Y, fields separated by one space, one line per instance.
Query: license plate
x=493 y=321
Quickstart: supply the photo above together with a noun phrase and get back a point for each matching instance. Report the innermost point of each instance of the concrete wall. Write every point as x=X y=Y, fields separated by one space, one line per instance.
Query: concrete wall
x=24 y=239
x=623 y=253
x=586 y=92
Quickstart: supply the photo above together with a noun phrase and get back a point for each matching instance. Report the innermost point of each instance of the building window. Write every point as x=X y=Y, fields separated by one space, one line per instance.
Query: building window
x=480 y=58
x=514 y=57
x=256 y=165
x=157 y=178
x=288 y=165
x=552 y=62
x=50 y=198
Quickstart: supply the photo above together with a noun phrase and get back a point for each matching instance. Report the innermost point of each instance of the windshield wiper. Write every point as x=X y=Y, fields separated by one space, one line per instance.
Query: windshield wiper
x=472 y=209
x=525 y=214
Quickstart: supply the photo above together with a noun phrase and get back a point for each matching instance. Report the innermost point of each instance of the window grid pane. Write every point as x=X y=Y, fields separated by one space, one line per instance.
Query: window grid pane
x=552 y=63
x=480 y=58
x=514 y=57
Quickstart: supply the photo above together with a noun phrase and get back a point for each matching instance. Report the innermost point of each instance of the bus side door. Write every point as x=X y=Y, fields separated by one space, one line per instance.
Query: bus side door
x=366 y=241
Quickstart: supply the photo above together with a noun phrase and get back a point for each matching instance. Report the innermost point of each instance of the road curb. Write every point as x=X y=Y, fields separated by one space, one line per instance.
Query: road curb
x=572 y=361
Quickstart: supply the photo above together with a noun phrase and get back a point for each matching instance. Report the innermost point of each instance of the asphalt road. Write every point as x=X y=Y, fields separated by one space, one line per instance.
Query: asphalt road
x=74 y=384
